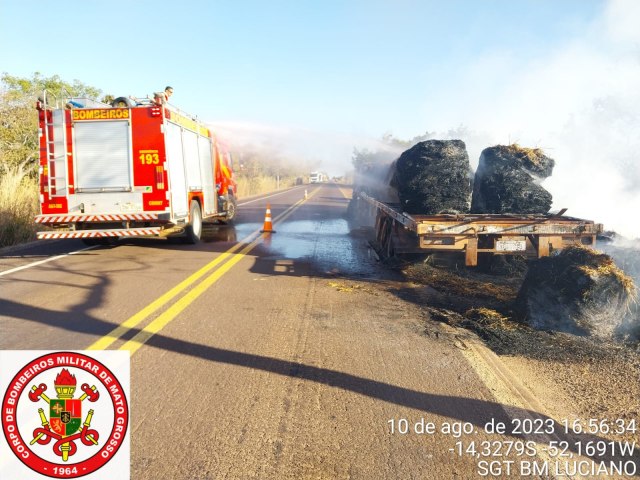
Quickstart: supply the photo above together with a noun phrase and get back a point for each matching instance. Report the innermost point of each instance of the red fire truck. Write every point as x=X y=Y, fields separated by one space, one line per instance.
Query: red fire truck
x=133 y=168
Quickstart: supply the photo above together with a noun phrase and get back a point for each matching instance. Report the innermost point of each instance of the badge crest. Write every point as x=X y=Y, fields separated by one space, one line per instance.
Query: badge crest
x=65 y=415
x=64 y=425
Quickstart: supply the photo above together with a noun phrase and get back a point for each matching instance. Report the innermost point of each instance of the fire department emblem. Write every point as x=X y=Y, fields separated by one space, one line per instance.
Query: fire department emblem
x=64 y=425
x=65 y=415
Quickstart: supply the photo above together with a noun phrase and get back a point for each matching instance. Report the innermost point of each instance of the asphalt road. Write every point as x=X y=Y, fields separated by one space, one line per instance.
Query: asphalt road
x=289 y=355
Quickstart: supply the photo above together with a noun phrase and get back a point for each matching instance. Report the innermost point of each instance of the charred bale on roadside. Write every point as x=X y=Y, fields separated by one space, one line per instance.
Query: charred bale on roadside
x=507 y=181
x=578 y=290
x=434 y=177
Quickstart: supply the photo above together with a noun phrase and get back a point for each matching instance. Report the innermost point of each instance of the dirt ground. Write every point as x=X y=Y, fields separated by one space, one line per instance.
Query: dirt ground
x=576 y=377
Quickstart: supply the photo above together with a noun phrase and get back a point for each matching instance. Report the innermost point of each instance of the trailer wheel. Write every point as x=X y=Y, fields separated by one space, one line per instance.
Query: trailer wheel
x=390 y=250
x=193 y=232
x=384 y=236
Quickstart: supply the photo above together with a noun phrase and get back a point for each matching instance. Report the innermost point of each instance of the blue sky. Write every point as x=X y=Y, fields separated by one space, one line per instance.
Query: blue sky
x=313 y=79
x=356 y=66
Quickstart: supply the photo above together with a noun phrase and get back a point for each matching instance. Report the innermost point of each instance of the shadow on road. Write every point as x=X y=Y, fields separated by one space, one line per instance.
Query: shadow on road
x=474 y=411
x=278 y=259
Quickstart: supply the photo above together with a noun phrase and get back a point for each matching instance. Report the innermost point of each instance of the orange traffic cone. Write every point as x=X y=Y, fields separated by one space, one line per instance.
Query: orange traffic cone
x=268 y=226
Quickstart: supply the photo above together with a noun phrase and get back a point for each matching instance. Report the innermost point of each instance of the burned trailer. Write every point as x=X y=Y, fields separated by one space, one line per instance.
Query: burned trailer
x=534 y=236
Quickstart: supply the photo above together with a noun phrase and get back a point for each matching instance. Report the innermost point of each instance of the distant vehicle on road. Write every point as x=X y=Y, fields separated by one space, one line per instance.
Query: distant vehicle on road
x=317 y=177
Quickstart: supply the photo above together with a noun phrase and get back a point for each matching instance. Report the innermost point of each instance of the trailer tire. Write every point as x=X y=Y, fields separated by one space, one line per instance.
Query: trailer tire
x=390 y=250
x=122 y=102
x=193 y=232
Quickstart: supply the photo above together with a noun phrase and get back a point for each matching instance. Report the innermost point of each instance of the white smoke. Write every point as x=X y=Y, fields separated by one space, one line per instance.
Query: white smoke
x=580 y=104
x=326 y=151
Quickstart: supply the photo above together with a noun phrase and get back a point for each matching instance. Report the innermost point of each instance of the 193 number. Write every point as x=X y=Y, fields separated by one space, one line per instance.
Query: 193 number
x=149 y=158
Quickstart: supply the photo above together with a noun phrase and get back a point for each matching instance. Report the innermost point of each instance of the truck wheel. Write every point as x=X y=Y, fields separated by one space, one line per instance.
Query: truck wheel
x=193 y=232
x=106 y=241
x=232 y=207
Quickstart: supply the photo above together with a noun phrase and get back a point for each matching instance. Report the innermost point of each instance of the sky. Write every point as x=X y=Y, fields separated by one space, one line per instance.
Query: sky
x=314 y=79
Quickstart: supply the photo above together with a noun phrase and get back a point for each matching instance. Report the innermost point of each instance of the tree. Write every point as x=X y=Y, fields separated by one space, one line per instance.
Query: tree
x=365 y=157
x=19 y=89
x=18 y=136
x=390 y=149
x=18 y=120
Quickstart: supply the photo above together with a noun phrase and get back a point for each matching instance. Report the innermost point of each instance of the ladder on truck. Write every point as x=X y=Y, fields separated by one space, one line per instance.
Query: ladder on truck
x=55 y=140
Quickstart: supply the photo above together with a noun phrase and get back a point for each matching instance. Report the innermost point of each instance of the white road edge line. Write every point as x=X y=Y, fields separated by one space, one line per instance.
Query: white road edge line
x=35 y=264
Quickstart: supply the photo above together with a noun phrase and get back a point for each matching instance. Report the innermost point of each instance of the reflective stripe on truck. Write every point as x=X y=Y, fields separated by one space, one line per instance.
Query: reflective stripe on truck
x=131 y=232
x=96 y=218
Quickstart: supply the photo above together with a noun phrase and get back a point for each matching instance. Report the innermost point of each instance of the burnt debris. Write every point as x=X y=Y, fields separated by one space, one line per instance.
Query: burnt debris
x=507 y=181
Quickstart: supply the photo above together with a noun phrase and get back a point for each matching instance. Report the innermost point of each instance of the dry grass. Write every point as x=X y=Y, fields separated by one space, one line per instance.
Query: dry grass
x=248 y=186
x=532 y=154
x=18 y=206
x=597 y=264
x=350 y=287
x=488 y=317
x=609 y=269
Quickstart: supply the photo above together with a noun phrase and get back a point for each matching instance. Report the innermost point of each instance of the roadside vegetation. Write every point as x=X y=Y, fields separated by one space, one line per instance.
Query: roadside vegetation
x=19 y=150
x=260 y=169
x=18 y=205
x=256 y=170
x=255 y=185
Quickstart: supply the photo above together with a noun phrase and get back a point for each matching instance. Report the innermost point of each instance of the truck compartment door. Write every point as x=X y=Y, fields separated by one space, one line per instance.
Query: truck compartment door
x=102 y=156
x=191 y=160
x=206 y=167
x=177 y=176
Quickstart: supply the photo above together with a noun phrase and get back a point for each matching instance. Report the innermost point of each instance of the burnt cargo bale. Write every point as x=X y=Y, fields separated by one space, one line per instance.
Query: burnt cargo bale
x=579 y=291
x=434 y=177
x=507 y=181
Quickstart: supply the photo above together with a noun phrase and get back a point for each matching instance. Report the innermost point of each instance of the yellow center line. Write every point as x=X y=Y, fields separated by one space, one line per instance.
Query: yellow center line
x=172 y=312
x=106 y=341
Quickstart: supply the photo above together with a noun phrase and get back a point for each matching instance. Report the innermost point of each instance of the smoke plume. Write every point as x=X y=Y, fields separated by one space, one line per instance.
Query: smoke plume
x=580 y=104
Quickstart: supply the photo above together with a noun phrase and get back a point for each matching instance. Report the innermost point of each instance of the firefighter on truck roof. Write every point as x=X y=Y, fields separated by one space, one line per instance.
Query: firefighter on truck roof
x=160 y=98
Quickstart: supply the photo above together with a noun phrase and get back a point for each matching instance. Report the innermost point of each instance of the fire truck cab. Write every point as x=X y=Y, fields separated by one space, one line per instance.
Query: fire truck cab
x=136 y=169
